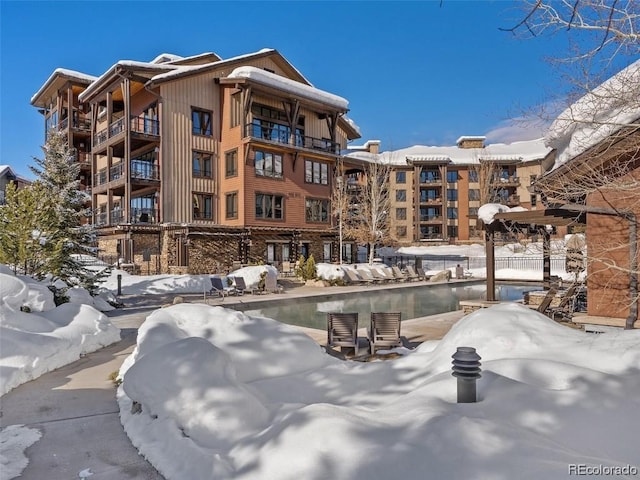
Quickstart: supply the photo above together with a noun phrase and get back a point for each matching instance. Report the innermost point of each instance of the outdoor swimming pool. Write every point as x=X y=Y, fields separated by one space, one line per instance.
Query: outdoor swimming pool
x=413 y=302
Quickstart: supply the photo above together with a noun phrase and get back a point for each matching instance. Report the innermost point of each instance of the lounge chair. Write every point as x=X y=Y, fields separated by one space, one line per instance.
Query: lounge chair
x=354 y=278
x=217 y=288
x=564 y=310
x=546 y=301
x=401 y=277
x=367 y=275
x=380 y=275
x=342 y=330
x=411 y=273
x=241 y=286
x=271 y=285
x=388 y=273
x=423 y=275
x=384 y=330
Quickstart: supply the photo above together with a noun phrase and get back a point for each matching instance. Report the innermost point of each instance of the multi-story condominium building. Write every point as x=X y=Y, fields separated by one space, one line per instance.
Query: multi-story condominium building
x=199 y=162
x=436 y=191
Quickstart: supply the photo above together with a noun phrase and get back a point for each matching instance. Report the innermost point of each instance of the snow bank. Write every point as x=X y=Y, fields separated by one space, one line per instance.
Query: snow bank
x=212 y=393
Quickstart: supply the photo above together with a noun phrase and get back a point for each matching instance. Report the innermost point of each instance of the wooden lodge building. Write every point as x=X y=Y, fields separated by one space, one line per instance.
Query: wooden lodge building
x=195 y=163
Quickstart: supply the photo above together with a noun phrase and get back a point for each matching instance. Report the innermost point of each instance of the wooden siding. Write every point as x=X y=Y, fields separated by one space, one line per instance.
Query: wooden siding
x=178 y=143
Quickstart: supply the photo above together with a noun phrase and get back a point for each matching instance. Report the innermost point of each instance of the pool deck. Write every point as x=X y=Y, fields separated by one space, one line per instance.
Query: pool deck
x=414 y=331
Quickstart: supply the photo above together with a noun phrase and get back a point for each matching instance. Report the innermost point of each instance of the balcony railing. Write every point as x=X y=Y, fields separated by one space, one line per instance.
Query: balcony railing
x=148 y=126
x=144 y=215
x=431 y=200
x=143 y=125
x=138 y=215
x=139 y=171
x=430 y=180
x=511 y=180
x=144 y=170
x=282 y=134
x=431 y=218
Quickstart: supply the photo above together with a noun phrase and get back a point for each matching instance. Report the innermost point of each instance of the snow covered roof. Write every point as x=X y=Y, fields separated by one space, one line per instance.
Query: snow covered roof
x=516 y=151
x=166 y=57
x=597 y=115
x=4 y=169
x=282 y=83
x=127 y=64
x=67 y=74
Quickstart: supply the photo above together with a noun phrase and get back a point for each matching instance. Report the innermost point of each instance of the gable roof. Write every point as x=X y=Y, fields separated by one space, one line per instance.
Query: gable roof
x=58 y=78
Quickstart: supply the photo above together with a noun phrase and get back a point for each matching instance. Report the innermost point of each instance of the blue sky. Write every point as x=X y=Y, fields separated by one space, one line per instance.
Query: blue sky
x=417 y=72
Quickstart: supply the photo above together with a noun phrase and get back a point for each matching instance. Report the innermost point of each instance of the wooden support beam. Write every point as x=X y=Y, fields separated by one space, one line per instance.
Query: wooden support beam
x=546 y=258
x=490 y=263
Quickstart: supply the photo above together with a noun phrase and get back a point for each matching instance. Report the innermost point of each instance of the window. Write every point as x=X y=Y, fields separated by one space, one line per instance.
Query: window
x=473 y=176
x=452 y=195
x=231 y=205
x=452 y=231
x=201 y=122
x=473 y=211
x=236 y=108
x=202 y=164
x=534 y=200
x=202 y=204
x=401 y=231
x=452 y=213
x=231 y=163
x=316 y=172
x=401 y=177
x=268 y=164
x=452 y=176
x=474 y=194
x=317 y=210
x=269 y=206
x=401 y=213
x=401 y=195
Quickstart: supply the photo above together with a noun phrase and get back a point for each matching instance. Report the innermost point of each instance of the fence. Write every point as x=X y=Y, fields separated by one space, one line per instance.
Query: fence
x=445 y=262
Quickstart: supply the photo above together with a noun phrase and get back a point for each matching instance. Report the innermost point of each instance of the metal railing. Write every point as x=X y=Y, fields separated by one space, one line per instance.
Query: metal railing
x=145 y=125
x=282 y=134
x=444 y=262
x=142 y=170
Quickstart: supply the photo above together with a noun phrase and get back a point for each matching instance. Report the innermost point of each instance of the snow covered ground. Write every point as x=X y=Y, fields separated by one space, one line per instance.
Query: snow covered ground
x=272 y=404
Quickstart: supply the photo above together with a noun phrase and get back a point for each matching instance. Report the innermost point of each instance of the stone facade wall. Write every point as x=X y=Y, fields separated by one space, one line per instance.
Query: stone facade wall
x=212 y=254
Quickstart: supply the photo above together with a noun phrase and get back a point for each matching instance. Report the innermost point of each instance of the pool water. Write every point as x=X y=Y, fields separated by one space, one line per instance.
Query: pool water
x=412 y=302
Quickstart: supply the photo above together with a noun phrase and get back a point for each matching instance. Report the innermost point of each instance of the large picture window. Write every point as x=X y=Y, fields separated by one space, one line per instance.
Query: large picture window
x=268 y=164
x=202 y=206
x=269 y=206
x=202 y=164
x=401 y=177
x=316 y=172
x=317 y=211
x=201 y=122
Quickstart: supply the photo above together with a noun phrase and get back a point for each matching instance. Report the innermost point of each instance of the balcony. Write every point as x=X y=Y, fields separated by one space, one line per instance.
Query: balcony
x=138 y=216
x=431 y=218
x=505 y=181
x=144 y=171
x=426 y=180
x=436 y=200
x=281 y=134
x=139 y=125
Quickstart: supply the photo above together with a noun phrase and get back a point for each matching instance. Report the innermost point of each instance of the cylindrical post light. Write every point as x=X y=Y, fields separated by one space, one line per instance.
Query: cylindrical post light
x=466 y=368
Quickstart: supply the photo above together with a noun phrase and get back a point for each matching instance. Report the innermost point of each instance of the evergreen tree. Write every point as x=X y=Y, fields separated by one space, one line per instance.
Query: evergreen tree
x=63 y=231
x=21 y=219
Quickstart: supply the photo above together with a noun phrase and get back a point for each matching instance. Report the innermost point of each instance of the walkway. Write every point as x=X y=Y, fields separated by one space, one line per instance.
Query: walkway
x=75 y=409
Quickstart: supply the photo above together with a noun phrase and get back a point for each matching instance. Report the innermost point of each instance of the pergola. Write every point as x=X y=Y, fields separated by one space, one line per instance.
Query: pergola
x=528 y=222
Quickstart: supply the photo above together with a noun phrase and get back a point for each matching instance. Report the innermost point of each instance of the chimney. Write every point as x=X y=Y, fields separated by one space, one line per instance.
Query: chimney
x=372 y=146
x=471 y=142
